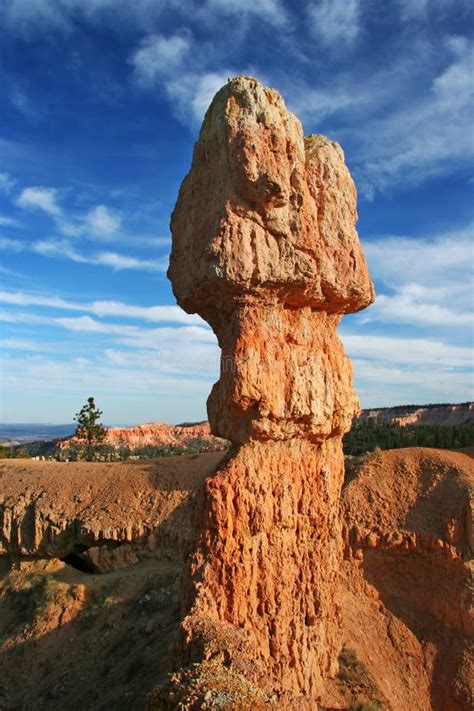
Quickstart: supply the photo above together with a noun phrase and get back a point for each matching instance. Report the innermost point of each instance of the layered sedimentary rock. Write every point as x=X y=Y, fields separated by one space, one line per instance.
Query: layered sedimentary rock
x=459 y=414
x=265 y=249
x=53 y=510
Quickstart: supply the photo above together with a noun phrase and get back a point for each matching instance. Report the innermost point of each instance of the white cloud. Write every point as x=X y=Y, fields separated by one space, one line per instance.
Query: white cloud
x=159 y=56
x=28 y=17
x=147 y=313
x=6 y=182
x=57 y=248
x=19 y=298
x=335 y=22
x=178 y=64
x=122 y=261
x=430 y=260
x=8 y=221
x=412 y=304
x=103 y=308
x=64 y=250
x=402 y=122
x=410 y=351
x=86 y=324
x=130 y=390
x=41 y=199
x=101 y=219
x=425 y=281
x=207 y=86
x=381 y=385
x=186 y=348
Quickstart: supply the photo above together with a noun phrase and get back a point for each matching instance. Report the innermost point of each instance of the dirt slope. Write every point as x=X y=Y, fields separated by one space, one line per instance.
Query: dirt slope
x=407 y=576
x=76 y=640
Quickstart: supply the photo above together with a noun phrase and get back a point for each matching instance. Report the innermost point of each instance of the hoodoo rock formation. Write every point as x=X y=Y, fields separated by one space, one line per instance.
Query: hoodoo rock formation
x=266 y=250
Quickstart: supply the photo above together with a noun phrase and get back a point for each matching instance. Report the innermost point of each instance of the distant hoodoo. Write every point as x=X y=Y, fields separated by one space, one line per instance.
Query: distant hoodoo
x=266 y=250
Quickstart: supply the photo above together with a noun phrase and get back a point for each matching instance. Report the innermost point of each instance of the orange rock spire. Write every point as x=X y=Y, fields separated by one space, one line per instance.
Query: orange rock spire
x=265 y=249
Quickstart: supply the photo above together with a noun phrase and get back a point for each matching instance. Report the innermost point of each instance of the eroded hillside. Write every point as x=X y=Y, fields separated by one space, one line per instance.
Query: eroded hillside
x=73 y=639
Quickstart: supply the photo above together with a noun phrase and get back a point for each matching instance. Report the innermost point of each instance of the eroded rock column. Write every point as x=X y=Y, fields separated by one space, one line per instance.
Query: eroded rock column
x=265 y=249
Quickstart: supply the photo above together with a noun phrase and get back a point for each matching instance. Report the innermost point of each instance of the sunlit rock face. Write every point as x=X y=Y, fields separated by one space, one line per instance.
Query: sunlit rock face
x=265 y=249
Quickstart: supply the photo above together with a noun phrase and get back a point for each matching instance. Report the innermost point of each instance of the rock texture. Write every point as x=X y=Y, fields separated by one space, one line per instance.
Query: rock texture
x=156 y=434
x=409 y=544
x=265 y=249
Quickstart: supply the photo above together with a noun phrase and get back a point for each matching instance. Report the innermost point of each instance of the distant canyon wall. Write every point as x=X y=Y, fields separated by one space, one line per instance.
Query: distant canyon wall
x=159 y=434
x=459 y=414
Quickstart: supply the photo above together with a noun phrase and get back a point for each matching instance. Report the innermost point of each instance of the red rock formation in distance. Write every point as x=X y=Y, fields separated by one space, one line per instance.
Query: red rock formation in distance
x=155 y=434
x=266 y=250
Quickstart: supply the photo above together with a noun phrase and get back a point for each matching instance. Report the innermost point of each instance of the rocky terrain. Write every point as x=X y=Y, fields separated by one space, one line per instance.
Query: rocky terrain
x=60 y=510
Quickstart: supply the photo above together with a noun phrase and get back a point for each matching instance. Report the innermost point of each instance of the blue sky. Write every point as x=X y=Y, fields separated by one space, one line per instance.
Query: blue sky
x=100 y=104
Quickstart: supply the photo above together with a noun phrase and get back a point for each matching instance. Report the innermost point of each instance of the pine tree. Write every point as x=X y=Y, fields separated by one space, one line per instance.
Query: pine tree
x=89 y=430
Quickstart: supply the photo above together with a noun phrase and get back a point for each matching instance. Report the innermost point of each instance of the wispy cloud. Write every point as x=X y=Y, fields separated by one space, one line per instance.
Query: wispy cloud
x=430 y=136
x=335 y=22
x=380 y=384
x=99 y=221
x=183 y=347
x=419 y=9
x=410 y=351
x=8 y=221
x=412 y=304
x=103 y=308
x=29 y=17
x=6 y=182
x=158 y=57
x=424 y=281
x=170 y=62
x=137 y=380
x=62 y=249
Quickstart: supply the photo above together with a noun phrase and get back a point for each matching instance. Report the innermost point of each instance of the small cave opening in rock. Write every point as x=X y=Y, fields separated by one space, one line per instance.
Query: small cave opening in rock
x=80 y=560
